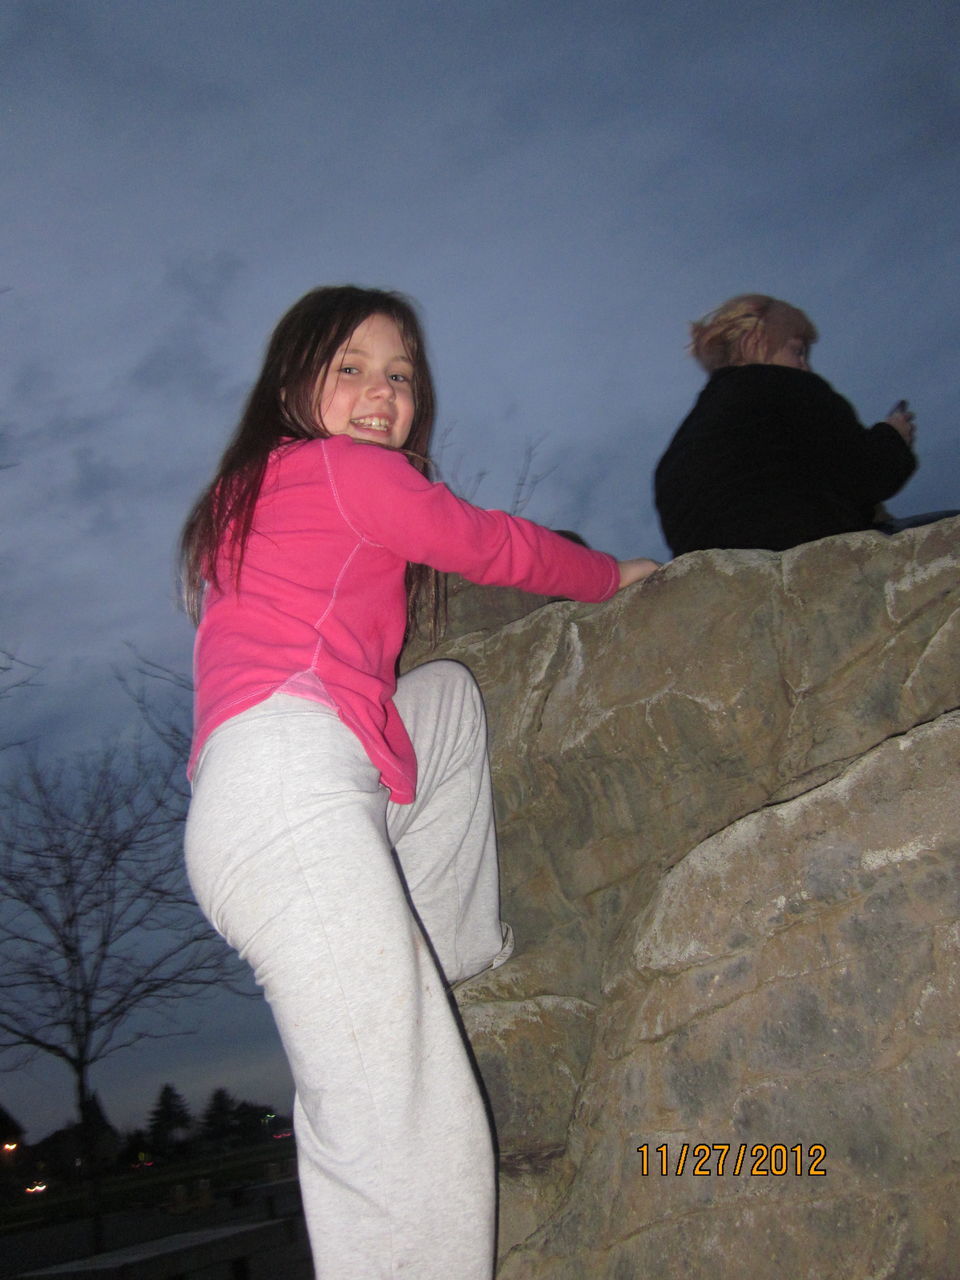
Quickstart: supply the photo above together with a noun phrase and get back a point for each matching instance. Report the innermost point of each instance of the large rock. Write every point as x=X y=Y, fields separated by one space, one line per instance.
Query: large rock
x=728 y=811
x=792 y=991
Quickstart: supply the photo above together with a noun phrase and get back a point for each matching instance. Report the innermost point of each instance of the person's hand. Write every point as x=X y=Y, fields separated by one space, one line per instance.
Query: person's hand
x=902 y=419
x=636 y=570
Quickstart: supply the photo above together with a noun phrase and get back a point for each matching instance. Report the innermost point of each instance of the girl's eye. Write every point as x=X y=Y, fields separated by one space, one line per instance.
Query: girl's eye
x=349 y=368
x=399 y=377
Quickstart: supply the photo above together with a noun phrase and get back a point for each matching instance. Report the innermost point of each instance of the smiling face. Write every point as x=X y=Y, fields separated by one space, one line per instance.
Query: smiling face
x=367 y=392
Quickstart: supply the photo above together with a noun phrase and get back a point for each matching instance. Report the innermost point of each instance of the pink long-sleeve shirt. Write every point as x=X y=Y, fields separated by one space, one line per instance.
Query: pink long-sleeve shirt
x=320 y=611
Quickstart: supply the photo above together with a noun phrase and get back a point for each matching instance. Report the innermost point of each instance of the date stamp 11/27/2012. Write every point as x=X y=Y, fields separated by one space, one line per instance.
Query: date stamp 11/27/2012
x=719 y=1159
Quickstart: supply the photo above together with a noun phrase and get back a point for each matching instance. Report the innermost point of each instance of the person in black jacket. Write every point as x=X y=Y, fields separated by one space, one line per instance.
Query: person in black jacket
x=770 y=455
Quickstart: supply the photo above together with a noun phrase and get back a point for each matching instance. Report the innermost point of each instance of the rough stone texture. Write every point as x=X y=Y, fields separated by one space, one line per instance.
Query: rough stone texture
x=729 y=821
x=793 y=981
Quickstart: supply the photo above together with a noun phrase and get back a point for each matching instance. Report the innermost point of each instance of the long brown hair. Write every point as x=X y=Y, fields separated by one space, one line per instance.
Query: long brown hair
x=282 y=406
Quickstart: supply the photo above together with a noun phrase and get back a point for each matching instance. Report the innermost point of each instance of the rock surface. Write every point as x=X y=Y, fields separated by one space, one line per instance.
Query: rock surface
x=730 y=829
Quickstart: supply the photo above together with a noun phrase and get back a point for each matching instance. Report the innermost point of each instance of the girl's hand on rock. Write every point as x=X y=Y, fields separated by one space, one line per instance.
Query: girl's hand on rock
x=636 y=570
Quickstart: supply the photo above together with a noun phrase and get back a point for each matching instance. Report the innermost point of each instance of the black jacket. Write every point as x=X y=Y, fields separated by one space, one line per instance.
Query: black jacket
x=771 y=457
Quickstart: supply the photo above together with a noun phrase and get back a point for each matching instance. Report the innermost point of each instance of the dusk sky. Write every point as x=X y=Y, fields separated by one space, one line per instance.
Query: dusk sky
x=561 y=187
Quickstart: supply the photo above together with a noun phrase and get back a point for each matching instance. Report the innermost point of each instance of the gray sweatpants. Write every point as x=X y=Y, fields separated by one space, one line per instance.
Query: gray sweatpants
x=288 y=848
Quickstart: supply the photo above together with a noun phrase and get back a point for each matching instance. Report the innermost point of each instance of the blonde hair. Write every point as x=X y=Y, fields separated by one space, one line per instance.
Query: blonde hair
x=747 y=329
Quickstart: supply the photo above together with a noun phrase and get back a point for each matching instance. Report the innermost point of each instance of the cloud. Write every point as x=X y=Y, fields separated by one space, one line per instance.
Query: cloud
x=176 y=365
x=562 y=187
x=206 y=282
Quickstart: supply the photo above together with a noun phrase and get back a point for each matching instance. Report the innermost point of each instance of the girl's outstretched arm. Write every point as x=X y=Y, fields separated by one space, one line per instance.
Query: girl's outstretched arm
x=385 y=500
x=636 y=570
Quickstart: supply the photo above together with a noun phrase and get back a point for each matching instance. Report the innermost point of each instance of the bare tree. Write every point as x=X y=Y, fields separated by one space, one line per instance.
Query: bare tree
x=164 y=699
x=100 y=939
x=524 y=486
x=451 y=472
x=528 y=479
x=14 y=674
